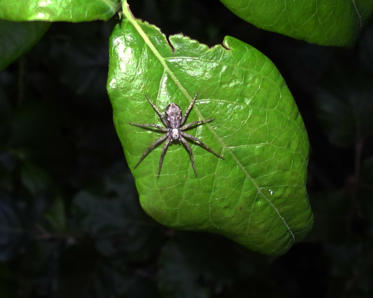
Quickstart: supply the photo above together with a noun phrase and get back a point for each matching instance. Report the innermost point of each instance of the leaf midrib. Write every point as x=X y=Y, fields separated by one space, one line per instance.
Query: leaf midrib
x=357 y=12
x=132 y=20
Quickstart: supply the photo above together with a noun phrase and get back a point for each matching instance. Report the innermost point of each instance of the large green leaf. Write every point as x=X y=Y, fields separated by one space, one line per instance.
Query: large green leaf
x=58 y=10
x=333 y=22
x=18 y=38
x=256 y=195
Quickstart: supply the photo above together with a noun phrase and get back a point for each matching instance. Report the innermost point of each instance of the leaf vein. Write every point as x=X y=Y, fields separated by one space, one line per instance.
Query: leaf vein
x=183 y=90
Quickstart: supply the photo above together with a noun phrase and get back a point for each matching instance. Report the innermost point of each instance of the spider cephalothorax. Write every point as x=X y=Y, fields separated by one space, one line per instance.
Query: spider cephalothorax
x=174 y=129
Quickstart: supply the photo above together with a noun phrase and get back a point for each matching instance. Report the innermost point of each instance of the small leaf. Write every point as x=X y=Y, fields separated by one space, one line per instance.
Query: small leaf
x=18 y=38
x=256 y=195
x=58 y=10
x=333 y=23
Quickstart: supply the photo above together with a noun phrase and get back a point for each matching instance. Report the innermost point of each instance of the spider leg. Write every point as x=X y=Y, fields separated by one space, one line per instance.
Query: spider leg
x=163 y=119
x=188 y=110
x=150 y=148
x=153 y=127
x=200 y=143
x=195 y=124
x=165 y=147
x=187 y=147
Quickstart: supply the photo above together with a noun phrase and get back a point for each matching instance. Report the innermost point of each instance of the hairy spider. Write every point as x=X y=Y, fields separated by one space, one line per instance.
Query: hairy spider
x=174 y=128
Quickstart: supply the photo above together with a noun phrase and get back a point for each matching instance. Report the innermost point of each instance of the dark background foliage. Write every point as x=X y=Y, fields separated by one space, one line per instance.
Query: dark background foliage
x=70 y=221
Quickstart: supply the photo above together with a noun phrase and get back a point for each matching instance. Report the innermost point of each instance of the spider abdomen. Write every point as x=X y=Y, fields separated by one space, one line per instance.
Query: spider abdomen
x=174 y=133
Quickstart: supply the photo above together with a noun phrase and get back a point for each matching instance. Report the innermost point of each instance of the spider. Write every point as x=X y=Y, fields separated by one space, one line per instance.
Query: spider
x=174 y=129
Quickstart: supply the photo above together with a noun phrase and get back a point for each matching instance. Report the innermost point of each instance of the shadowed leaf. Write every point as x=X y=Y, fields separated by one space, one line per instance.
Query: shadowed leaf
x=18 y=38
x=11 y=231
x=335 y=22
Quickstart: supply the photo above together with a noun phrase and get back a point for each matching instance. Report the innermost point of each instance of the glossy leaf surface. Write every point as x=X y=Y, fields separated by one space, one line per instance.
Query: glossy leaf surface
x=58 y=10
x=18 y=38
x=335 y=22
x=256 y=195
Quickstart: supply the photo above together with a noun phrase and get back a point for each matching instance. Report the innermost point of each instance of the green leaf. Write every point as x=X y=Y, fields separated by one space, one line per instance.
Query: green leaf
x=18 y=38
x=333 y=23
x=256 y=195
x=58 y=10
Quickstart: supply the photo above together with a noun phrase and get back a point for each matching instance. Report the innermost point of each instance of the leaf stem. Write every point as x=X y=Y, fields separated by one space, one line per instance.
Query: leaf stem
x=130 y=17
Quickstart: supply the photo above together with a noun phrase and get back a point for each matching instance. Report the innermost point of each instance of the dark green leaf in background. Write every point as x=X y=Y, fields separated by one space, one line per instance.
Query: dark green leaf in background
x=117 y=224
x=195 y=265
x=345 y=108
x=366 y=49
x=365 y=8
x=18 y=38
x=257 y=195
x=367 y=188
x=82 y=63
x=177 y=276
x=5 y=110
x=11 y=231
x=35 y=179
x=33 y=129
x=333 y=22
x=58 y=10
x=7 y=284
x=56 y=215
